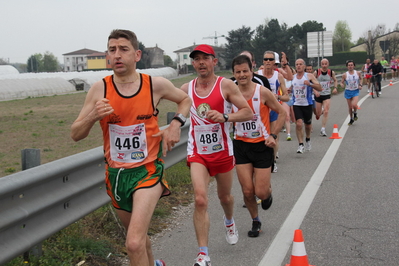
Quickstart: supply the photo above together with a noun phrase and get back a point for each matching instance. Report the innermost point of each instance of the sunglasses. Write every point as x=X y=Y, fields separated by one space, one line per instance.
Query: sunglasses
x=268 y=59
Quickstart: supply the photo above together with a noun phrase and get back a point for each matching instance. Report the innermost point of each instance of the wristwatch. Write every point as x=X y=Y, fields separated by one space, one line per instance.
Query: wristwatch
x=179 y=117
x=273 y=135
x=226 y=117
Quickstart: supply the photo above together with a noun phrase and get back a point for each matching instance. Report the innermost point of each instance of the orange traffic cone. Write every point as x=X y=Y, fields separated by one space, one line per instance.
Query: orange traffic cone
x=390 y=83
x=298 y=257
x=335 y=134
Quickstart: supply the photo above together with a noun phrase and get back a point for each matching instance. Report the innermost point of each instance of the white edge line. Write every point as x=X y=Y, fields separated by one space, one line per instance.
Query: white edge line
x=281 y=243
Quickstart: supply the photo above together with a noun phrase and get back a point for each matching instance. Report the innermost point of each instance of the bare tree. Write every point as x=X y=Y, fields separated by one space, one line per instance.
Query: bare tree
x=393 y=40
x=3 y=61
x=370 y=37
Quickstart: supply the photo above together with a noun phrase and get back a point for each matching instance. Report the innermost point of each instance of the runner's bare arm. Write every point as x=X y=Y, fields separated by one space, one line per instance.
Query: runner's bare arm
x=233 y=95
x=335 y=82
x=360 y=80
x=284 y=96
x=315 y=83
x=164 y=89
x=269 y=100
x=343 y=80
x=94 y=109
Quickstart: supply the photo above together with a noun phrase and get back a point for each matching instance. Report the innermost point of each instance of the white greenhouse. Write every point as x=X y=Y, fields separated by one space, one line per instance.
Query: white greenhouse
x=14 y=85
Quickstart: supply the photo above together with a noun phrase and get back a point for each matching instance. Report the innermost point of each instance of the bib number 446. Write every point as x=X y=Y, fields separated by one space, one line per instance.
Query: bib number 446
x=127 y=143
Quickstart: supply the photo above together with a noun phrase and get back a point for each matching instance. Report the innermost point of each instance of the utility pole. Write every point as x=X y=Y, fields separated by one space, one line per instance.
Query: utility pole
x=215 y=38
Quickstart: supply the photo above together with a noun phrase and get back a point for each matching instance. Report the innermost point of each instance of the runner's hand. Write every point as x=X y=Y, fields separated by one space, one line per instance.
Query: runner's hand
x=102 y=109
x=170 y=136
x=270 y=142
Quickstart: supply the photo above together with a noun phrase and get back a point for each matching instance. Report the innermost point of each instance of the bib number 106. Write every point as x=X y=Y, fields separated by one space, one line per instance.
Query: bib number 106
x=248 y=126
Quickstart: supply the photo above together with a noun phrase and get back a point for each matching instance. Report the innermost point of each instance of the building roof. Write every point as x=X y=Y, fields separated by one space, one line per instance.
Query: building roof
x=83 y=51
x=153 y=48
x=97 y=54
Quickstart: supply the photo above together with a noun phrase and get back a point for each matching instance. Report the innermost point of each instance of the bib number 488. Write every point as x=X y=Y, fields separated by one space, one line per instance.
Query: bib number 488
x=209 y=138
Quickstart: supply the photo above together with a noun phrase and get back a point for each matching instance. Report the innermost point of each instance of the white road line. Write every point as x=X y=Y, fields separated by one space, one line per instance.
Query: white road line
x=282 y=241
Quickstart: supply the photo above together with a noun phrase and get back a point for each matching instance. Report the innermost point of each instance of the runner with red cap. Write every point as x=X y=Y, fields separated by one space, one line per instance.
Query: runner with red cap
x=210 y=149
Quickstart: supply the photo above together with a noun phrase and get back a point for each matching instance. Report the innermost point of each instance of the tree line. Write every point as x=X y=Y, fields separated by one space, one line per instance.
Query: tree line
x=293 y=40
x=46 y=62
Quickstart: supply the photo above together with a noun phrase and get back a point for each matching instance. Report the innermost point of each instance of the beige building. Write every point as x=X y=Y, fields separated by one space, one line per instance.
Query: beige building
x=96 y=61
x=382 y=43
x=77 y=60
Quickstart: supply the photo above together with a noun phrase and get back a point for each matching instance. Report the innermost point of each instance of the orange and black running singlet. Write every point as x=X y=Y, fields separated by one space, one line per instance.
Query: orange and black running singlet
x=127 y=132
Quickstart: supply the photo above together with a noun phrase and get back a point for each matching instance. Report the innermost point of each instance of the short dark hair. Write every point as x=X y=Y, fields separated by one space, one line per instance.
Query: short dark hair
x=127 y=34
x=348 y=61
x=241 y=59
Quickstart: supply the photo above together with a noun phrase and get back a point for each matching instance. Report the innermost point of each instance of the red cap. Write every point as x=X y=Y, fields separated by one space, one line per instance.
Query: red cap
x=204 y=48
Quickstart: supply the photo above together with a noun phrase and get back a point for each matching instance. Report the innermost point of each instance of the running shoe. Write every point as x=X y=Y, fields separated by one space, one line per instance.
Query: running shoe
x=267 y=202
x=202 y=260
x=160 y=263
x=379 y=93
x=368 y=90
x=275 y=167
x=289 y=137
x=231 y=233
x=300 y=149
x=256 y=225
x=355 y=116
x=308 y=145
x=323 y=133
x=351 y=122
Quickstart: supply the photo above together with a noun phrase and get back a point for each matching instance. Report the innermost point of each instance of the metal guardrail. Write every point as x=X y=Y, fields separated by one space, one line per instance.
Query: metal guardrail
x=40 y=201
x=339 y=78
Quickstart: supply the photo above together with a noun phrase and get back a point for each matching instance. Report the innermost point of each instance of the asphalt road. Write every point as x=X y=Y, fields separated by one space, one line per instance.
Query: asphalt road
x=343 y=195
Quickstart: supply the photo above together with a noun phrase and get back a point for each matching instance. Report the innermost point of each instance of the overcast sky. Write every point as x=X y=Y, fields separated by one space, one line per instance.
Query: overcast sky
x=63 y=26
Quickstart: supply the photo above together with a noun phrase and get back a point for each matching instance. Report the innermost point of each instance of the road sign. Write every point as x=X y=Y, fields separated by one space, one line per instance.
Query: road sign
x=320 y=44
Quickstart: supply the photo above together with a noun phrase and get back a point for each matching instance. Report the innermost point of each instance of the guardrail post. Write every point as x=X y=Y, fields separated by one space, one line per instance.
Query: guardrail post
x=31 y=158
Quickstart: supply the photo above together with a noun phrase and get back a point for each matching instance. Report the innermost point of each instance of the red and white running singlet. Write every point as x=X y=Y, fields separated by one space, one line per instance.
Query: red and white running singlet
x=207 y=138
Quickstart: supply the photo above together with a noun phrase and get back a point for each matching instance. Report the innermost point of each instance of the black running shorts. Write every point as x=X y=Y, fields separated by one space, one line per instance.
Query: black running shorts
x=258 y=154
